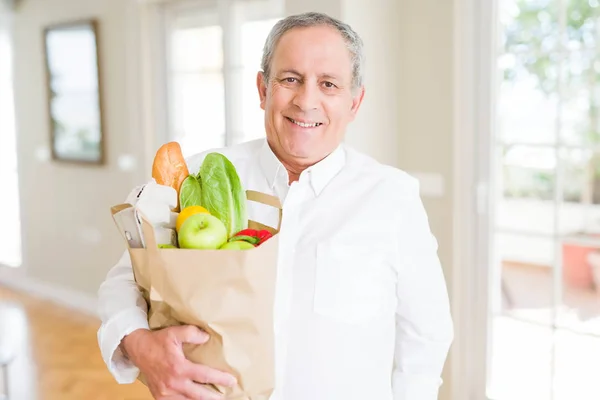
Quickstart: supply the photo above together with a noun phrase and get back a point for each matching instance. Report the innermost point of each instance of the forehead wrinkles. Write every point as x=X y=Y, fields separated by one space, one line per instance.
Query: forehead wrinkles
x=313 y=51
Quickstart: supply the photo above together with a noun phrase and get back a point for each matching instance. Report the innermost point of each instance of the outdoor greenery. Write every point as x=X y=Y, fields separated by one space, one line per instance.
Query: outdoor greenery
x=557 y=42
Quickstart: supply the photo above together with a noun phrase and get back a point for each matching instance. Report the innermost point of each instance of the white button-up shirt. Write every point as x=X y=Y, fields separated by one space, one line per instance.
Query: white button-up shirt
x=361 y=308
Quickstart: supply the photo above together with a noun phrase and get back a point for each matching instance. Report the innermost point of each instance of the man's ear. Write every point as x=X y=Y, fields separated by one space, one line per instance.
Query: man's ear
x=357 y=101
x=261 y=85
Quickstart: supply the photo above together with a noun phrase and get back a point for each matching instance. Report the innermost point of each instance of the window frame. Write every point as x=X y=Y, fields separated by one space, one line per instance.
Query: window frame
x=146 y=68
x=230 y=15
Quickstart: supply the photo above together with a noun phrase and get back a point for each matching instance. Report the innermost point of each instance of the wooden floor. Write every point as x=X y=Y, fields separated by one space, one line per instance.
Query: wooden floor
x=58 y=357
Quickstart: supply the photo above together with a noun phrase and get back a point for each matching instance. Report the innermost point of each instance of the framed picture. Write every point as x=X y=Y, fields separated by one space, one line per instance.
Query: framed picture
x=74 y=92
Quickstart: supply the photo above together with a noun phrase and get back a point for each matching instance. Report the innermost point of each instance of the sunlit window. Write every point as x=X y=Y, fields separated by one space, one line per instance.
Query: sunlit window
x=197 y=102
x=253 y=38
x=200 y=116
x=10 y=226
x=546 y=333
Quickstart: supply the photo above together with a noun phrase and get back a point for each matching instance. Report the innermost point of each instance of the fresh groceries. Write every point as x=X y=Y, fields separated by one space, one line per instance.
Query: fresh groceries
x=188 y=212
x=222 y=192
x=199 y=258
x=253 y=236
x=211 y=202
x=237 y=246
x=190 y=192
x=169 y=167
x=202 y=231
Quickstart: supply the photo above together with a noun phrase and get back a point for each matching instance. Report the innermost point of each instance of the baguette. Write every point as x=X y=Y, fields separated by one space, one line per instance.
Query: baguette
x=169 y=167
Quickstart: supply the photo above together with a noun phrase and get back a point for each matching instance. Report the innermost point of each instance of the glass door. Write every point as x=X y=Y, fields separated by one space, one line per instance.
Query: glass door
x=10 y=224
x=545 y=314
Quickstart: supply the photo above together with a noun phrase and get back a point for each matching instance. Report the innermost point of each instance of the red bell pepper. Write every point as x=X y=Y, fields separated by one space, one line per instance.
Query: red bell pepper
x=254 y=236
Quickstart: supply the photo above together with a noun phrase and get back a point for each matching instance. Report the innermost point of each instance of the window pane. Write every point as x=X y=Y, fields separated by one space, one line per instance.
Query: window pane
x=525 y=286
x=198 y=111
x=579 y=305
x=580 y=210
x=8 y=154
x=580 y=111
x=528 y=102
x=582 y=23
x=529 y=26
x=195 y=49
x=525 y=196
x=253 y=115
x=254 y=35
x=10 y=224
x=521 y=355
x=577 y=363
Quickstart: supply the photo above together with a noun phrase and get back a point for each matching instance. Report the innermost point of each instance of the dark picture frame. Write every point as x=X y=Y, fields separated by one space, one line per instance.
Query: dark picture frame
x=73 y=82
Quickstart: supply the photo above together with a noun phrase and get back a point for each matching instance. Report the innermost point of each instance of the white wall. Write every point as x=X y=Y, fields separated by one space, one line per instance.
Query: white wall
x=69 y=238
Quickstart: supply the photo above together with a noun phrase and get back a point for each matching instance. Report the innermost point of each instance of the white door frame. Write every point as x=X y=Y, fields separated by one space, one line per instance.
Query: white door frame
x=475 y=81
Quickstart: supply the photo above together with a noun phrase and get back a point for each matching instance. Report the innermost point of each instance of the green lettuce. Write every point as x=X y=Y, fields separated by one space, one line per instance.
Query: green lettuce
x=222 y=192
x=190 y=192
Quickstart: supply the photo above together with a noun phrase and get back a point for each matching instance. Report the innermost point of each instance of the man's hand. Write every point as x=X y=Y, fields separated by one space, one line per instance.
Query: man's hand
x=170 y=376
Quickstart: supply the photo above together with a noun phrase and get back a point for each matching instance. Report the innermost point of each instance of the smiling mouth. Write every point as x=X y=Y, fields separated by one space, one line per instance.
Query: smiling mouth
x=304 y=124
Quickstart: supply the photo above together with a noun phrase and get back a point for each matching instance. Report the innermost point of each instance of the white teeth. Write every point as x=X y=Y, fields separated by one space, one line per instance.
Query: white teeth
x=302 y=124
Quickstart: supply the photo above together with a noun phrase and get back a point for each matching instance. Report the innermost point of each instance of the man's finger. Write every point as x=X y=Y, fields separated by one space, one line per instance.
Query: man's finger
x=197 y=391
x=204 y=374
x=190 y=334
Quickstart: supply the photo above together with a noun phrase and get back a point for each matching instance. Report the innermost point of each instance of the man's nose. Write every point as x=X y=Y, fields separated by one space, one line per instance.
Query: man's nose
x=307 y=97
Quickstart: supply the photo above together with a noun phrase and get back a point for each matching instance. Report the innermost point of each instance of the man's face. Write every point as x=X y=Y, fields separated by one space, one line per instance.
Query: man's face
x=309 y=100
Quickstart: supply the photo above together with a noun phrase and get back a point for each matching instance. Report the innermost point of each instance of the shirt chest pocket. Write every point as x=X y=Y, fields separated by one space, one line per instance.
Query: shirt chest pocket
x=353 y=283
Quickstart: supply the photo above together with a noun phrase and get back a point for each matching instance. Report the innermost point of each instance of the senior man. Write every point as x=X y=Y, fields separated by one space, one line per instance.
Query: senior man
x=361 y=308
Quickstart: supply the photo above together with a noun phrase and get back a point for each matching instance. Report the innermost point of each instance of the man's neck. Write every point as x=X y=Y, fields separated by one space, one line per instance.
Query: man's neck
x=293 y=169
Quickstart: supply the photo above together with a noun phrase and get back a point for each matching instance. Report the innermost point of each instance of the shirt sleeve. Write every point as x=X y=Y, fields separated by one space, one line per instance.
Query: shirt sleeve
x=122 y=310
x=121 y=305
x=424 y=327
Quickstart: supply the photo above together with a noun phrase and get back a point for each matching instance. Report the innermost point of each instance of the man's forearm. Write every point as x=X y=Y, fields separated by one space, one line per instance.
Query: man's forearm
x=122 y=310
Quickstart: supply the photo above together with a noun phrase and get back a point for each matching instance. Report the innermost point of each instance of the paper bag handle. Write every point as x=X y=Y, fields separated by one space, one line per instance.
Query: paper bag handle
x=147 y=229
x=266 y=199
x=114 y=210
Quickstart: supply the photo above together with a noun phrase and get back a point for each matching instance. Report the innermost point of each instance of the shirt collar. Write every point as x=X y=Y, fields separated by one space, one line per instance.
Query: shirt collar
x=319 y=174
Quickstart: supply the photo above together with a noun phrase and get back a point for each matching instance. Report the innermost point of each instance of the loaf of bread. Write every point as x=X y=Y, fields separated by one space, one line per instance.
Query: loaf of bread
x=169 y=167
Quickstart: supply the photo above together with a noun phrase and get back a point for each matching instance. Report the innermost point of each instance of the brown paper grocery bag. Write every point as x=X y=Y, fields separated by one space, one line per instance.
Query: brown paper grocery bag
x=227 y=293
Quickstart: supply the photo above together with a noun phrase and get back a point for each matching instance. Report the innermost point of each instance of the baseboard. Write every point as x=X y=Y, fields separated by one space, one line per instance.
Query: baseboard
x=70 y=298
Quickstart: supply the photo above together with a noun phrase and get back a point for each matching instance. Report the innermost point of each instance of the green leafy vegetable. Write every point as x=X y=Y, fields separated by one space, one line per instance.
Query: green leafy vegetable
x=190 y=193
x=222 y=192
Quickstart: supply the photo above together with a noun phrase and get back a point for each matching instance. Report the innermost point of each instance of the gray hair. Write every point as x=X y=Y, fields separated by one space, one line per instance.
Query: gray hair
x=309 y=19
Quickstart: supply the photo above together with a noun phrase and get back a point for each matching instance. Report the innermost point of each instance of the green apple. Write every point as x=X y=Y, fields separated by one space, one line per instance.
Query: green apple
x=202 y=231
x=237 y=245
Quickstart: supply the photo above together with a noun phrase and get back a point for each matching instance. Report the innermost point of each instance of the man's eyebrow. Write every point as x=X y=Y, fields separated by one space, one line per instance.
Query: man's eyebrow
x=290 y=71
x=329 y=76
x=322 y=76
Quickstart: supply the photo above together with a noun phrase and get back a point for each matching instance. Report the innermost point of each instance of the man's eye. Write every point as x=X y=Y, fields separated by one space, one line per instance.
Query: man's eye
x=290 y=80
x=329 y=85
